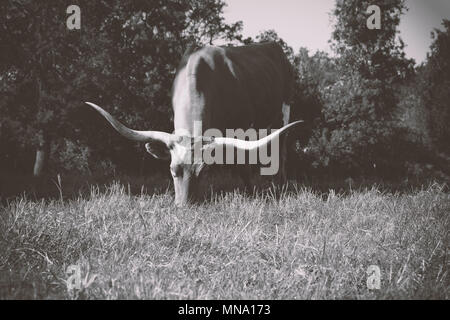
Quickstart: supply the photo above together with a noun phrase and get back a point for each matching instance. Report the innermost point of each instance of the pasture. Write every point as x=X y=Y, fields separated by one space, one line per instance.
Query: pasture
x=274 y=244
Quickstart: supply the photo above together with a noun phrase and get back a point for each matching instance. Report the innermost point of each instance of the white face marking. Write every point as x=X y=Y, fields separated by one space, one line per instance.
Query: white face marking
x=180 y=154
x=180 y=102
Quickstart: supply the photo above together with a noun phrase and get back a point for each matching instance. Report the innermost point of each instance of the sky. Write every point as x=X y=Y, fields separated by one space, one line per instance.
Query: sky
x=307 y=23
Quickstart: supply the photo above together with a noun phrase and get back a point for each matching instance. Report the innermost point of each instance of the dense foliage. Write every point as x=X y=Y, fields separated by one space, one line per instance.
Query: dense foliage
x=367 y=110
x=436 y=87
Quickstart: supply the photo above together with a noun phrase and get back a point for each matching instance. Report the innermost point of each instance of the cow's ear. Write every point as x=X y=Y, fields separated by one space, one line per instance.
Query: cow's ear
x=158 y=149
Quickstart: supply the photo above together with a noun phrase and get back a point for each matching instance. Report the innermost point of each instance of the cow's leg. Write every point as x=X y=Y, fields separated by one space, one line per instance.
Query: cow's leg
x=286 y=109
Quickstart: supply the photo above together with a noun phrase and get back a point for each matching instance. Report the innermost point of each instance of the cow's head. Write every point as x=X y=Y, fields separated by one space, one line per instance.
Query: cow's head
x=185 y=168
x=182 y=151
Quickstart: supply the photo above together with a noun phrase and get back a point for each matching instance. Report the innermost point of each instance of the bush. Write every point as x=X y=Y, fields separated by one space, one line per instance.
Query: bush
x=68 y=156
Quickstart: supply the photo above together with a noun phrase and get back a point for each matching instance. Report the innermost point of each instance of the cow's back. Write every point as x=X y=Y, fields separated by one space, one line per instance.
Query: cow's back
x=233 y=87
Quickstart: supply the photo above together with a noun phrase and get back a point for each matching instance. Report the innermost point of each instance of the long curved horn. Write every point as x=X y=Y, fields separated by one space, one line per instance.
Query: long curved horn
x=142 y=136
x=252 y=145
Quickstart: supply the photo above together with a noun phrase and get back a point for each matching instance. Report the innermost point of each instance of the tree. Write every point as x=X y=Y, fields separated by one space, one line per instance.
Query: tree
x=206 y=24
x=314 y=74
x=376 y=54
x=272 y=36
x=36 y=60
x=435 y=85
x=125 y=56
x=358 y=109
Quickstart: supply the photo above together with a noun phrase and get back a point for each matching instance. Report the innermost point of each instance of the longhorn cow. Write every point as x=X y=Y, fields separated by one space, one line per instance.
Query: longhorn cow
x=222 y=88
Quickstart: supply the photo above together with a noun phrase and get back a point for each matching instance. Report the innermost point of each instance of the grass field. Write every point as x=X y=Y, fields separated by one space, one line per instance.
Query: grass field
x=296 y=244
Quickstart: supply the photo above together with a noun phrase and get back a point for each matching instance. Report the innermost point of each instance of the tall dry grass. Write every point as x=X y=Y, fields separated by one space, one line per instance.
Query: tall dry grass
x=273 y=244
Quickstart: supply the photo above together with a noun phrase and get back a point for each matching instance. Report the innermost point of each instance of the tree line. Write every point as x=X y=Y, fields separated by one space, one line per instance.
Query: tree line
x=368 y=110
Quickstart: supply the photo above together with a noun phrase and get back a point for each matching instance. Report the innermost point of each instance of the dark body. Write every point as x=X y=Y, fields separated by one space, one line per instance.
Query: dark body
x=232 y=87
